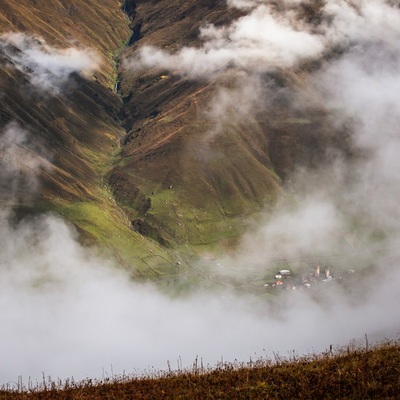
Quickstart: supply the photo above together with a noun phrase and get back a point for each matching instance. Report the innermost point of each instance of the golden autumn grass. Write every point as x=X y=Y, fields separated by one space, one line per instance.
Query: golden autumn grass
x=348 y=373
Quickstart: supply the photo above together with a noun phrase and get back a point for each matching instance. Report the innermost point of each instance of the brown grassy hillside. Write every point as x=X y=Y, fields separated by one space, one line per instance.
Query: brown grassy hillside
x=72 y=131
x=80 y=124
x=348 y=374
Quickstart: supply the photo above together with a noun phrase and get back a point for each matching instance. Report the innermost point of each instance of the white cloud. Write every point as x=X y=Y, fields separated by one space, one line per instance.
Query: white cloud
x=364 y=20
x=256 y=42
x=47 y=67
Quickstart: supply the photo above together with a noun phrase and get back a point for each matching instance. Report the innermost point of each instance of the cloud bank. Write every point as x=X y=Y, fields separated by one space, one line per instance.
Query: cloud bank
x=67 y=312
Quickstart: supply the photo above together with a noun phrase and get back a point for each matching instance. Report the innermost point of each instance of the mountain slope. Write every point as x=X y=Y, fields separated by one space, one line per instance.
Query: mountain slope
x=200 y=163
x=102 y=26
x=67 y=120
x=169 y=159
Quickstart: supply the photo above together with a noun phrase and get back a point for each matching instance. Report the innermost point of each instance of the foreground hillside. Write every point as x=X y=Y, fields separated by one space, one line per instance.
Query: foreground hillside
x=348 y=374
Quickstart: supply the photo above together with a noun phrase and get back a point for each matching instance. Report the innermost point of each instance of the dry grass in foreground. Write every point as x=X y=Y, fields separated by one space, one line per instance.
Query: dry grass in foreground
x=345 y=374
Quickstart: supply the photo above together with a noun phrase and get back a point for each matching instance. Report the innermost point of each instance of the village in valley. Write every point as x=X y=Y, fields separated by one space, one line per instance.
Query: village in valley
x=279 y=274
x=286 y=279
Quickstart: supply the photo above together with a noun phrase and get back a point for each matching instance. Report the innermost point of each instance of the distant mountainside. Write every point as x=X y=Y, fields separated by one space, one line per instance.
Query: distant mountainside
x=140 y=159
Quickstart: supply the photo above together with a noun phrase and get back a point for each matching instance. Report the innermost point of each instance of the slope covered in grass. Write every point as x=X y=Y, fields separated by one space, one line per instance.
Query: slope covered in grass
x=346 y=374
x=59 y=123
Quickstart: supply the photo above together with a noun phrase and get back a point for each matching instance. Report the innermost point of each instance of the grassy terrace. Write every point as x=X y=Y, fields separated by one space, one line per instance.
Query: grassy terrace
x=348 y=373
x=102 y=223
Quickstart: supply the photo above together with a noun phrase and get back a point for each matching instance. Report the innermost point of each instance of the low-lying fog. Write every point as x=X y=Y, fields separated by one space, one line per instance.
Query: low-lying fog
x=67 y=313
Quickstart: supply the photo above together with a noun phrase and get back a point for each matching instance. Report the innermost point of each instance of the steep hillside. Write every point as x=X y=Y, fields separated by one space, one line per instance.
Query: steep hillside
x=190 y=190
x=198 y=174
x=59 y=122
x=62 y=23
